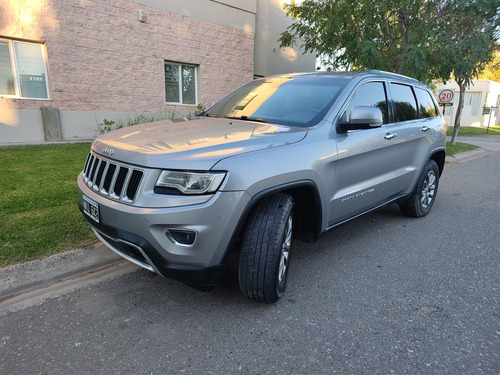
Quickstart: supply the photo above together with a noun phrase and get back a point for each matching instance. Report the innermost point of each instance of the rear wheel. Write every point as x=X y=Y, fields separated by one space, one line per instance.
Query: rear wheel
x=420 y=202
x=265 y=249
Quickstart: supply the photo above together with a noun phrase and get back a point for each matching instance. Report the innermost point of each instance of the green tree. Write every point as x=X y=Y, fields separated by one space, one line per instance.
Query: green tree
x=389 y=35
x=468 y=39
x=424 y=39
x=492 y=70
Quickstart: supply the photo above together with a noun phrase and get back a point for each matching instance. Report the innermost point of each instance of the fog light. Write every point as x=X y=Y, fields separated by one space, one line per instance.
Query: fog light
x=181 y=237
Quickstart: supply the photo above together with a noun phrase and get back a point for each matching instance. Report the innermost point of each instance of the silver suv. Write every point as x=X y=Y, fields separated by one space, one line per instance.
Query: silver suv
x=285 y=156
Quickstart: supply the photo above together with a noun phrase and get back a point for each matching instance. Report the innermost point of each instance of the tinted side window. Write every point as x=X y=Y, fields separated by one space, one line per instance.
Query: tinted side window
x=371 y=94
x=405 y=105
x=426 y=106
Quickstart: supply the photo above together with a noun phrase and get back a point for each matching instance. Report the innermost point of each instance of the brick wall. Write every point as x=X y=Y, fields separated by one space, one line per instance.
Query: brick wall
x=101 y=58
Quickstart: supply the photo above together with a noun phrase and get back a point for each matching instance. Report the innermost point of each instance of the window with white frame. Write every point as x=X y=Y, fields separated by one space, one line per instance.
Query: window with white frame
x=180 y=83
x=23 y=70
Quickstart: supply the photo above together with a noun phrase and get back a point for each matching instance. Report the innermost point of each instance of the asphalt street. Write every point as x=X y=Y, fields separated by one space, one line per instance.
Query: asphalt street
x=383 y=294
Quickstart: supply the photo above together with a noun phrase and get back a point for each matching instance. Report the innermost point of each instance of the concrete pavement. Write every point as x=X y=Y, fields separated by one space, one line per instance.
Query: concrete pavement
x=28 y=276
x=486 y=142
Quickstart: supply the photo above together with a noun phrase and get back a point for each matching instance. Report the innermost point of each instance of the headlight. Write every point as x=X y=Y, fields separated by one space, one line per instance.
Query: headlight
x=191 y=182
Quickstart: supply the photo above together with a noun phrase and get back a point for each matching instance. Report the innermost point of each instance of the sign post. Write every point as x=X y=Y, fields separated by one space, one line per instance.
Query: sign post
x=489 y=111
x=446 y=98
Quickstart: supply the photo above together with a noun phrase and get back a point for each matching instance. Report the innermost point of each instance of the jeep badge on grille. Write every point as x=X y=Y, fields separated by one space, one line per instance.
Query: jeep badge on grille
x=108 y=151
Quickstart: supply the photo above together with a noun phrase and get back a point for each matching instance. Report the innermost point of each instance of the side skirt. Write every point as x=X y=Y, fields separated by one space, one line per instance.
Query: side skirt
x=400 y=197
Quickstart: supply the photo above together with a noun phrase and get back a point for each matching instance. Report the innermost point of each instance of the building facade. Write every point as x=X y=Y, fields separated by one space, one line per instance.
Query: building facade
x=481 y=103
x=66 y=66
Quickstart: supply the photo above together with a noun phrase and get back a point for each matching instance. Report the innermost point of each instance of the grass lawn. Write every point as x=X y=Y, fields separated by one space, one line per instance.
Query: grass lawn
x=38 y=201
x=458 y=147
x=468 y=130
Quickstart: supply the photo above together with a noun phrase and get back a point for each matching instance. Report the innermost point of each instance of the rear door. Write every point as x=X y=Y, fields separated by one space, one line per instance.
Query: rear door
x=414 y=131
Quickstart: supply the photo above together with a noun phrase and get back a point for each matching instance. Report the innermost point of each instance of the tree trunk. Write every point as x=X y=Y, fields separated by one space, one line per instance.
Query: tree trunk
x=456 y=126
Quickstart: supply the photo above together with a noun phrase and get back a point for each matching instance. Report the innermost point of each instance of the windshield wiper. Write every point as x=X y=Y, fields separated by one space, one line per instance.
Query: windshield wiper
x=246 y=118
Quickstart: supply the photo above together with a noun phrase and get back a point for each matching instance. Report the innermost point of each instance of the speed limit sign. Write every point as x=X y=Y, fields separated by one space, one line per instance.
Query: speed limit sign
x=445 y=96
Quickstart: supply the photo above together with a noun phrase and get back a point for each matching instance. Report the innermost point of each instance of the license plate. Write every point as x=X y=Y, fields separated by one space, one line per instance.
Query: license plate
x=91 y=208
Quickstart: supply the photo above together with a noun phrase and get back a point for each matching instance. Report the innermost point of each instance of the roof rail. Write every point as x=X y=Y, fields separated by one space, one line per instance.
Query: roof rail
x=390 y=73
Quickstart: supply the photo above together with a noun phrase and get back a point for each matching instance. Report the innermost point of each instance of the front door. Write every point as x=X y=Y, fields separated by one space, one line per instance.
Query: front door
x=370 y=169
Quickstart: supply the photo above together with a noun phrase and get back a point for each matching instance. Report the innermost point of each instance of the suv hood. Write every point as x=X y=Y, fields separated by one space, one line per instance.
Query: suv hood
x=195 y=144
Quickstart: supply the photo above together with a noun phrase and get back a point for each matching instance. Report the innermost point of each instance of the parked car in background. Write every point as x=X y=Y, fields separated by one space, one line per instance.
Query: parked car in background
x=282 y=157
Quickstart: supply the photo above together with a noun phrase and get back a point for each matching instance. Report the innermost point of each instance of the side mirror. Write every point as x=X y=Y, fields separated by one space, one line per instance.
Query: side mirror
x=363 y=117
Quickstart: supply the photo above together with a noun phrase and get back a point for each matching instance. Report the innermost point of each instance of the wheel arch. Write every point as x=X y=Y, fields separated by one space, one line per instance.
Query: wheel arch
x=307 y=206
x=439 y=157
x=308 y=212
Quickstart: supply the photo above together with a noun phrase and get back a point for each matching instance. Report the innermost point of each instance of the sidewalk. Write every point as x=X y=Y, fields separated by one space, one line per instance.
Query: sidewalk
x=486 y=143
x=22 y=277
x=465 y=156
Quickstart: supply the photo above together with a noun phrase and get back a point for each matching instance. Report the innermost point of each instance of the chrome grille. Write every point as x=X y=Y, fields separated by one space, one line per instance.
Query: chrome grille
x=113 y=180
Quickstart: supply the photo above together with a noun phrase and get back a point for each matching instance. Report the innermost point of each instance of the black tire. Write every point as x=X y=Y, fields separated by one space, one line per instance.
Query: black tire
x=266 y=248
x=420 y=202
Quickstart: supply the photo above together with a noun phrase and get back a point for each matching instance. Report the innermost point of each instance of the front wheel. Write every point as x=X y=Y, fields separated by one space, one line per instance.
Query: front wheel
x=420 y=202
x=265 y=249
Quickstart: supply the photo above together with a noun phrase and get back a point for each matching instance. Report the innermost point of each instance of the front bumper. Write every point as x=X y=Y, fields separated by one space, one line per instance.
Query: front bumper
x=141 y=234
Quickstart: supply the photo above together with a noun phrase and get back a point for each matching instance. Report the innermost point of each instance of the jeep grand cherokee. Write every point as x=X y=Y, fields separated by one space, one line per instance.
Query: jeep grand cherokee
x=285 y=156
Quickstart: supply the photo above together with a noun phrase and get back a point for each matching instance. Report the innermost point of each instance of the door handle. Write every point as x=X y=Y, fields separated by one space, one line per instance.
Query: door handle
x=390 y=136
x=424 y=128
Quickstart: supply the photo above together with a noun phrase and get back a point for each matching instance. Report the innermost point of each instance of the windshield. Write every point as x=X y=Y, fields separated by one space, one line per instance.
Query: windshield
x=295 y=101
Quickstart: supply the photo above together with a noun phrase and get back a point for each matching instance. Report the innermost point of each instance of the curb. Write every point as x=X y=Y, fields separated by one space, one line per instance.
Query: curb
x=466 y=156
x=19 y=278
